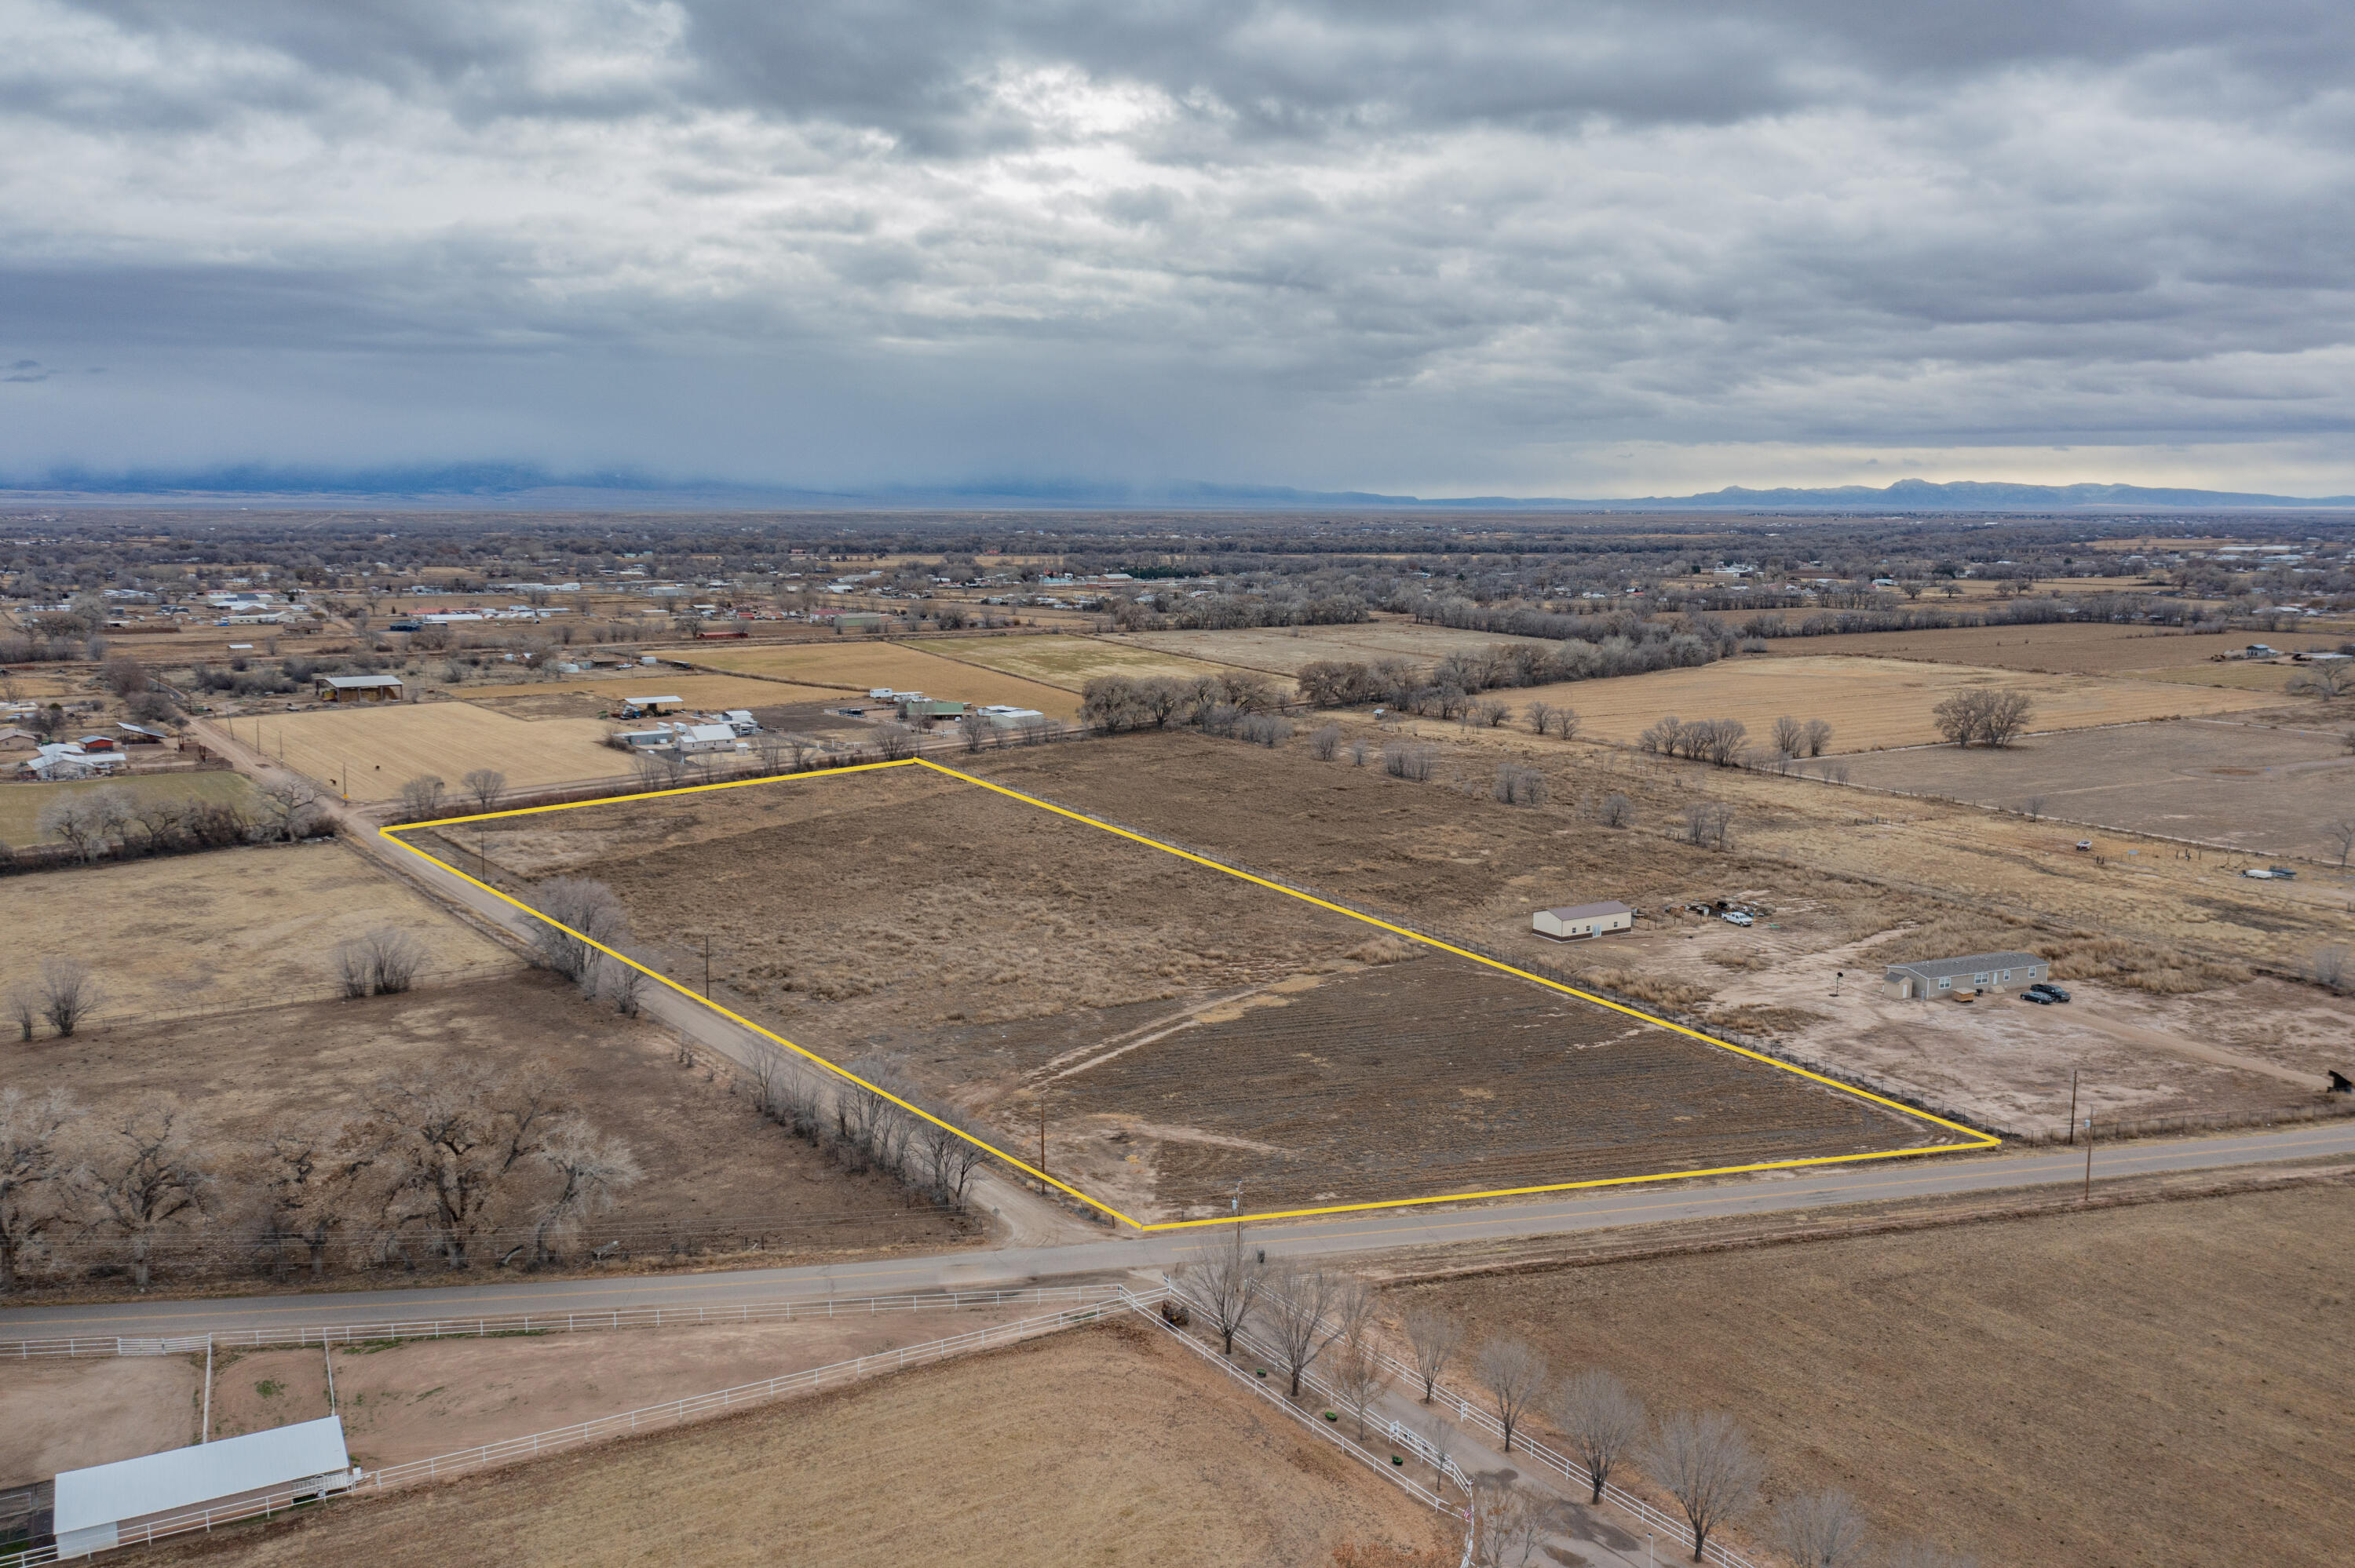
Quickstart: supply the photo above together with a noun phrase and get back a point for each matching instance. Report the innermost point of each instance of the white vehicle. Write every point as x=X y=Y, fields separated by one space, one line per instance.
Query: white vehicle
x=1736 y=917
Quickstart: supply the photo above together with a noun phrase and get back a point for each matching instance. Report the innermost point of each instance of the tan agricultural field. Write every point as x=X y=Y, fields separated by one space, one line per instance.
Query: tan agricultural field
x=708 y=692
x=1282 y=650
x=2070 y=649
x=383 y=745
x=1068 y=662
x=860 y=663
x=21 y=804
x=230 y=929
x=1869 y=702
x=1090 y=1448
x=2130 y=1386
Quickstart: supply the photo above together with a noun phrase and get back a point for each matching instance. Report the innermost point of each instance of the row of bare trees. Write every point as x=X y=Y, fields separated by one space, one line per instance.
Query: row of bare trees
x=424 y=795
x=862 y=1129
x=114 y=820
x=1983 y=716
x=1110 y=703
x=432 y=1167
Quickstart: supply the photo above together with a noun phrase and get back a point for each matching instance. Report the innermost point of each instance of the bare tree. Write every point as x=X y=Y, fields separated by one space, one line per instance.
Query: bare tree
x=69 y=994
x=1514 y=1374
x=1790 y=737
x=1227 y=1282
x=1541 y=717
x=443 y=1149
x=1708 y=1467
x=34 y=1170
x=1434 y=1335
x=1358 y=1376
x=1510 y=1523
x=75 y=818
x=578 y=915
x=352 y=973
x=1567 y=723
x=1818 y=737
x=622 y=986
x=804 y=748
x=23 y=1012
x=770 y=748
x=1709 y=823
x=289 y=805
x=1821 y=1530
x=2034 y=807
x=2332 y=965
x=2331 y=680
x=1616 y=812
x=1519 y=786
x=1601 y=1419
x=1985 y=715
x=421 y=796
x=590 y=1168
x=484 y=786
x=145 y=1180
x=1325 y=742
x=302 y=1180
x=895 y=741
x=1300 y=1301
x=2341 y=835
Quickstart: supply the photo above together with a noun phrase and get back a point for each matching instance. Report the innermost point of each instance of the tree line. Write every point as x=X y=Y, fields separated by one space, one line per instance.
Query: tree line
x=1314 y=1317
x=115 y=822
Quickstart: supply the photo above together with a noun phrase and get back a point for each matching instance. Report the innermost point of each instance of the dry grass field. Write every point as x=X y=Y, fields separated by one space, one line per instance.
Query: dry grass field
x=1282 y=650
x=1869 y=702
x=230 y=929
x=2134 y=1387
x=858 y=663
x=383 y=747
x=1068 y=662
x=1092 y=1448
x=708 y=692
x=2072 y=649
x=2268 y=789
x=21 y=804
x=1211 y=1033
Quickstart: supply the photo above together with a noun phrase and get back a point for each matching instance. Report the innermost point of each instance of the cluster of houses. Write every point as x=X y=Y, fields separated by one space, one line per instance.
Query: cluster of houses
x=87 y=756
x=697 y=735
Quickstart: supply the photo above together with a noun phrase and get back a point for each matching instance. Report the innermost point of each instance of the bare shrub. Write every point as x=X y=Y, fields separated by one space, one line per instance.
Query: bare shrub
x=1519 y=786
x=1263 y=729
x=484 y=786
x=352 y=975
x=1601 y=1418
x=69 y=993
x=1325 y=742
x=1709 y=823
x=1514 y=1374
x=1360 y=749
x=1708 y=1465
x=1663 y=738
x=2332 y=965
x=623 y=987
x=23 y=1012
x=577 y=912
x=1821 y=1530
x=1400 y=761
x=1488 y=712
x=1616 y=812
x=1566 y=722
x=2034 y=807
x=394 y=958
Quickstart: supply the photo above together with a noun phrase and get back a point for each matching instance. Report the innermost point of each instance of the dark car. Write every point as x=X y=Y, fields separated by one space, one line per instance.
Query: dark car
x=2049 y=992
x=2038 y=997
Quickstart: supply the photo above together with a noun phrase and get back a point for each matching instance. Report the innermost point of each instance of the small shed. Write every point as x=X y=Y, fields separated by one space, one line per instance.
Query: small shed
x=103 y=1506
x=650 y=707
x=1965 y=976
x=1576 y=922
x=359 y=688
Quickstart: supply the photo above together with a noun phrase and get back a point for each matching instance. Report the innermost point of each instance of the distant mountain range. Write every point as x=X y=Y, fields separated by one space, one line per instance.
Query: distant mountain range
x=528 y=487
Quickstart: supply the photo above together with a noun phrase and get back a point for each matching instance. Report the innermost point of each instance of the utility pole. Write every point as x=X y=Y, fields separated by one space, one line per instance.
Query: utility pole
x=1042 y=1143
x=2072 y=1105
x=706 y=966
x=2089 y=1161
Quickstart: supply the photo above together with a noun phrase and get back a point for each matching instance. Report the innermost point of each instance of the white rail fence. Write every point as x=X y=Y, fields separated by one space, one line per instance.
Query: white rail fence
x=295 y=1337
x=1089 y=1304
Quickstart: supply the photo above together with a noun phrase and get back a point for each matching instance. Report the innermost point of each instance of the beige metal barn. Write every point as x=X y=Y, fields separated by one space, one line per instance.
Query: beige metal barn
x=1576 y=922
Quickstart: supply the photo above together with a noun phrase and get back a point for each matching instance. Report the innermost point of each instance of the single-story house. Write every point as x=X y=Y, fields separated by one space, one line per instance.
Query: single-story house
x=59 y=761
x=1965 y=976
x=645 y=740
x=1573 y=922
x=359 y=688
x=13 y=735
x=694 y=738
x=104 y=1506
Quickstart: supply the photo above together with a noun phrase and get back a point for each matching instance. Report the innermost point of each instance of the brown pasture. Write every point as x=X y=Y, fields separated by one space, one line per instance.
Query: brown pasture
x=1092 y=1447
x=858 y=664
x=369 y=751
x=2069 y=648
x=1068 y=662
x=1282 y=650
x=2122 y=1387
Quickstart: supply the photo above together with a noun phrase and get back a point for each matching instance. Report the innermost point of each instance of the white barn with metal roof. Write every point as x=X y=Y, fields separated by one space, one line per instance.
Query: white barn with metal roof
x=94 y=1505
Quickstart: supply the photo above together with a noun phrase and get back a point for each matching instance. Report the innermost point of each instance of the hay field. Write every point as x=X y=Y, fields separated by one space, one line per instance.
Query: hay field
x=711 y=693
x=1069 y=663
x=233 y=929
x=858 y=664
x=1087 y=1449
x=2139 y=1385
x=21 y=804
x=383 y=746
x=1869 y=702
x=1282 y=650
x=2072 y=649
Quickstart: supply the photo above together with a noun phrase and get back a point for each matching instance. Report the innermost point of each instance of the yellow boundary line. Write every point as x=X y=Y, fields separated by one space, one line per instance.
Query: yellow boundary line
x=1974 y=1140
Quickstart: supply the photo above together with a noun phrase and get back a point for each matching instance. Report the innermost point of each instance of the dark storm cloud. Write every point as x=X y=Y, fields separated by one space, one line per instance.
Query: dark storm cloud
x=1385 y=243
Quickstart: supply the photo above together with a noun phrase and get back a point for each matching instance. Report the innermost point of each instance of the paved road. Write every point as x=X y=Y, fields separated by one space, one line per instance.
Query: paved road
x=1439 y=1226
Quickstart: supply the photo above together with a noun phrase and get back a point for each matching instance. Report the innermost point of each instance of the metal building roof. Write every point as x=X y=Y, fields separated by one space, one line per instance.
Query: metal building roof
x=358 y=683
x=1590 y=911
x=190 y=1477
x=1969 y=963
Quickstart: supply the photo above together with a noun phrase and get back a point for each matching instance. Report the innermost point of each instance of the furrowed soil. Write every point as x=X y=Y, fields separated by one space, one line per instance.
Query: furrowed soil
x=2147 y=1386
x=1184 y=1030
x=856 y=665
x=1091 y=1447
x=203 y=934
x=716 y=1175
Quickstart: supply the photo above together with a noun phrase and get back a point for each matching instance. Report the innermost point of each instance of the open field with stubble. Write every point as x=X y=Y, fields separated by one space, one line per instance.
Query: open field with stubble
x=230 y=929
x=371 y=750
x=2065 y=649
x=1092 y=1447
x=1211 y=1033
x=2130 y=1386
x=1067 y=662
x=856 y=664
x=1282 y=650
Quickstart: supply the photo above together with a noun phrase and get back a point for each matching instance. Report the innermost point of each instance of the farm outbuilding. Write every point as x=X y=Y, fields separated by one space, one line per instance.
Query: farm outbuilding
x=359 y=688
x=1965 y=976
x=98 y=1508
x=1573 y=922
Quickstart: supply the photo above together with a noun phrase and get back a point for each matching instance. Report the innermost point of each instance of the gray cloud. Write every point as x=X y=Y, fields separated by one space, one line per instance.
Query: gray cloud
x=1377 y=244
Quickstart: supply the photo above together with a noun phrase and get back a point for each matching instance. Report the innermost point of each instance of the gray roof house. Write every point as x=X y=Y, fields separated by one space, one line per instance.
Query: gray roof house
x=1965 y=976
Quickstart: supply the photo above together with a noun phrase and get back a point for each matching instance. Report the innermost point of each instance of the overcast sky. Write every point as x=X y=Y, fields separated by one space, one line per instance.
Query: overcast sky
x=1496 y=246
